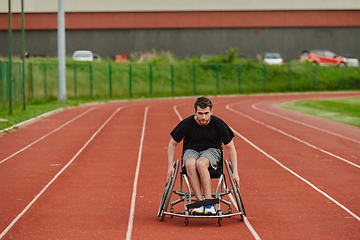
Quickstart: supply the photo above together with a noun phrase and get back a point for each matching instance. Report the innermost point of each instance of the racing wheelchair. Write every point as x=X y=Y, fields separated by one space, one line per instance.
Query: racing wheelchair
x=225 y=195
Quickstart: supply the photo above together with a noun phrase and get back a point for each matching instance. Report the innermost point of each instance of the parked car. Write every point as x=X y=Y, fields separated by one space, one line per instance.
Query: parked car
x=323 y=57
x=273 y=59
x=352 y=61
x=146 y=57
x=120 y=57
x=83 y=55
x=206 y=57
x=97 y=56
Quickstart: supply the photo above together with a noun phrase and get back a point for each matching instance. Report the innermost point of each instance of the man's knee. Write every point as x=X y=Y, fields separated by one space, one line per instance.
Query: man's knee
x=202 y=164
x=190 y=165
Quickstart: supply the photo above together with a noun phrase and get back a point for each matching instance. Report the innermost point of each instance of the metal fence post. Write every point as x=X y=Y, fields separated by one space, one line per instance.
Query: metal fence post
x=23 y=54
x=10 y=45
x=15 y=83
x=217 y=80
x=264 y=78
x=289 y=78
x=110 y=87
x=239 y=78
x=150 y=78
x=315 y=77
x=172 y=79
x=91 y=82
x=1 y=81
x=61 y=49
x=194 y=79
x=45 y=88
x=31 y=81
x=20 y=82
x=19 y=74
x=75 y=92
x=342 y=78
x=130 y=80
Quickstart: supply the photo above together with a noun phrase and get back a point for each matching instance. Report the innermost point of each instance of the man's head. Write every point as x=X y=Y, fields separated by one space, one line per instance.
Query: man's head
x=203 y=102
x=203 y=107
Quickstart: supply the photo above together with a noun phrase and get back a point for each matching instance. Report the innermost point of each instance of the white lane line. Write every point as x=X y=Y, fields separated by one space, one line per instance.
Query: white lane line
x=31 y=120
x=254 y=106
x=297 y=175
x=293 y=137
x=46 y=135
x=177 y=113
x=247 y=223
x=57 y=175
x=252 y=230
x=133 y=198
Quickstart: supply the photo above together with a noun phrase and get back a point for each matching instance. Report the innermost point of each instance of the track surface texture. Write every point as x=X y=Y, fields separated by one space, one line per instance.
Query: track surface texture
x=98 y=172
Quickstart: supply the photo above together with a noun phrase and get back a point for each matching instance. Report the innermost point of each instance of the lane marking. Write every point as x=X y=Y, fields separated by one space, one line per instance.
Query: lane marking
x=177 y=113
x=302 y=123
x=30 y=120
x=57 y=175
x=293 y=137
x=247 y=223
x=48 y=134
x=297 y=175
x=246 y=220
x=133 y=198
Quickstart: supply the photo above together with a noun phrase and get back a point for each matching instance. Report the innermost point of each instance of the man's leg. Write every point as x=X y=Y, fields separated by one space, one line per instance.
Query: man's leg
x=191 y=171
x=199 y=176
x=202 y=165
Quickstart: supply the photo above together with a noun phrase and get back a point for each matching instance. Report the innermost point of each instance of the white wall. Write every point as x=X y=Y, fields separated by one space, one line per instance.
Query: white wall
x=178 y=5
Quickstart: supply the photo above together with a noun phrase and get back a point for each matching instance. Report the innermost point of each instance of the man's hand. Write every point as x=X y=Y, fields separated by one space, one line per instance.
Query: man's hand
x=236 y=178
x=170 y=173
x=233 y=159
x=171 y=157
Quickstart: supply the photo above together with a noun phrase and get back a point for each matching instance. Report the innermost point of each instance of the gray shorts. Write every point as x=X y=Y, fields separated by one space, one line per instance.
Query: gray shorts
x=213 y=154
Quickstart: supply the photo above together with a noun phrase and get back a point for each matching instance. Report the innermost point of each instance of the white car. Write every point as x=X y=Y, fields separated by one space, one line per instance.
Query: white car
x=352 y=61
x=83 y=55
x=272 y=59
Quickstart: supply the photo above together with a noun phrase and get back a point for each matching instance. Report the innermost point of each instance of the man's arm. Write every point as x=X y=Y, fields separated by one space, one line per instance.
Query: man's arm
x=233 y=158
x=171 y=158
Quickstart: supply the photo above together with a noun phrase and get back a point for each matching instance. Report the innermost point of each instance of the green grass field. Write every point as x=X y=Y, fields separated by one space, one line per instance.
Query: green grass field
x=33 y=109
x=345 y=110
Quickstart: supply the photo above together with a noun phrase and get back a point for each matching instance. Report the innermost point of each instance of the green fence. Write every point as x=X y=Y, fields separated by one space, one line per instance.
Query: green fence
x=114 y=80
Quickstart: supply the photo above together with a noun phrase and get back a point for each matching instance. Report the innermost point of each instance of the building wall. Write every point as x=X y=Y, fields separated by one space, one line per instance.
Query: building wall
x=185 y=27
x=289 y=42
x=41 y=6
x=200 y=19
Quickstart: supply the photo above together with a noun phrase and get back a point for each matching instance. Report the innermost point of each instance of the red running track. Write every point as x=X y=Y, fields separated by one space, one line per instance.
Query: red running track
x=98 y=172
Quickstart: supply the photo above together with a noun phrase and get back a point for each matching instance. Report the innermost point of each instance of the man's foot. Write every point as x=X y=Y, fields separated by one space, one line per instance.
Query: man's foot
x=198 y=211
x=209 y=210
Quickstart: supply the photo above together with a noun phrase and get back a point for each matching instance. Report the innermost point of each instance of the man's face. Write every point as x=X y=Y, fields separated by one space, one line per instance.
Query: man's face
x=203 y=116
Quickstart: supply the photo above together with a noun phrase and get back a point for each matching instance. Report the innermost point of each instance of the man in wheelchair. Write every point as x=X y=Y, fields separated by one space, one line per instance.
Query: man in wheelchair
x=203 y=135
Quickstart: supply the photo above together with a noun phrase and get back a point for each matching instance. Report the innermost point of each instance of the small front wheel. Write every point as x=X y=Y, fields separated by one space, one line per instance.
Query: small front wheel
x=186 y=221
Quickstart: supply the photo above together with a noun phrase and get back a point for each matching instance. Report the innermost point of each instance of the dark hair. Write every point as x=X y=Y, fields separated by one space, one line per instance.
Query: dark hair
x=203 y=102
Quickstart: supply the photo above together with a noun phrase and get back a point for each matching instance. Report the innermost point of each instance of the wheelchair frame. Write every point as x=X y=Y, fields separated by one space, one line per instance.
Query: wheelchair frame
x=187 y=197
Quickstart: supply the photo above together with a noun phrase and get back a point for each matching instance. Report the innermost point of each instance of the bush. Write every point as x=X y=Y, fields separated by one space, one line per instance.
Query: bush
x=166 y=76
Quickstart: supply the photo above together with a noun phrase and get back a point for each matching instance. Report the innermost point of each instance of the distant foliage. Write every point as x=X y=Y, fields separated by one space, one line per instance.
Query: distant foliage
x=164 y=75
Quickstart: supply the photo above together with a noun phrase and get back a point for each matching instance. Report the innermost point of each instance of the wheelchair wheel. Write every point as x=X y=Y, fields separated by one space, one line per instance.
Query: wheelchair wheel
x=236 y=191
x=165 y=199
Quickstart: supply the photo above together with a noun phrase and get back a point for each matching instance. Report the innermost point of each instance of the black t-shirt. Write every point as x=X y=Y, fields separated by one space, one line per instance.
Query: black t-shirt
x=201 y=138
